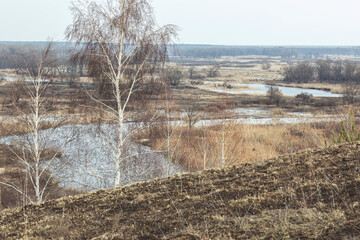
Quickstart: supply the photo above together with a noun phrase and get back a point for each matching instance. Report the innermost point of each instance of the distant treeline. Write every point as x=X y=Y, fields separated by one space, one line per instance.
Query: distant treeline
x=208 y=51
x=13 y=54
x=323 y=71
x=9 y=51
x=215 y=51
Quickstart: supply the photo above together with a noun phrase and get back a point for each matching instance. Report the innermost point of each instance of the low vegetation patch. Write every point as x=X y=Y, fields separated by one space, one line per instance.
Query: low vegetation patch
x=204 y=147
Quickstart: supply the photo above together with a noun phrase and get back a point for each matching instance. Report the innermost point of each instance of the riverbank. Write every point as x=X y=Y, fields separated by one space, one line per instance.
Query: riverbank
x=333 y=88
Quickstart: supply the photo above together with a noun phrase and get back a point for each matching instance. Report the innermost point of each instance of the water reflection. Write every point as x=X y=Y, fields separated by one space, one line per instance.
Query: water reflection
x=87 y=161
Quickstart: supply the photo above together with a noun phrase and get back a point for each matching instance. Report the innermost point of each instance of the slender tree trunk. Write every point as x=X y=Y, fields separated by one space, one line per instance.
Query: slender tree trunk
x=169 y=158
x=120 y=140
x=204 y=149
x=36 y=150
x=223 y=146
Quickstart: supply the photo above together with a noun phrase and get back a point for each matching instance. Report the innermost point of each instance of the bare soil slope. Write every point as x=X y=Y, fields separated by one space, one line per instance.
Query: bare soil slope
x=313 y=194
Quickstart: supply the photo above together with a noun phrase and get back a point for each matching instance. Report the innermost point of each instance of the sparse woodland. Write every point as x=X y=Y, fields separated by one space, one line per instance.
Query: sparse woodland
x=121 y=104
x=151 y=97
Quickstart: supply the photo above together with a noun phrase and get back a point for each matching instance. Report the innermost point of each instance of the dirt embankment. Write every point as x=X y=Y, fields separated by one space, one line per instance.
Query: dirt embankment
x=313 y=194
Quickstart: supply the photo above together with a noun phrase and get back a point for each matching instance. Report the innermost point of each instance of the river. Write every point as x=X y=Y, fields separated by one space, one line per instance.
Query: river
x=262 y=90
x=86 y=161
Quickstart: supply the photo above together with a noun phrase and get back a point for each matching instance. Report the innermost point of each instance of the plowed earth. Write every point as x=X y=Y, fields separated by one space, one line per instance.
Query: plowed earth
x=313 y=194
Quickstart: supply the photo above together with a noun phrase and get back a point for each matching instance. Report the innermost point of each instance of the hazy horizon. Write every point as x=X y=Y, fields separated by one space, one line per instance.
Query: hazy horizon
x=204 y=44
x=210 y=22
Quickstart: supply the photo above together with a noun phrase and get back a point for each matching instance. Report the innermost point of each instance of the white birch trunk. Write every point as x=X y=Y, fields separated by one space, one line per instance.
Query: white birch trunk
x=223 y=146
x=36 y=150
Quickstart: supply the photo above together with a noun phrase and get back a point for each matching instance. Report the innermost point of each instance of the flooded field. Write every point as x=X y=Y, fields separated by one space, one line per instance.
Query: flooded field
x=287 y=91
x=87 y=161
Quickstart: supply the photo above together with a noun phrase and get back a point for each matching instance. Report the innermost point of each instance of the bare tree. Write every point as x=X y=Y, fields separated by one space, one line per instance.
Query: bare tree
x=191 y=71
x=213 y=71
x=350 y=93
x=302 y=72
x=266 y=65
x=192 y=116
x=173 y=75
x=204 y=147
x=171 y=140
x=324 y=68
x=31 y=151
x=350 y=71
x=337 y=70
x=274 y=94
x=122 y=49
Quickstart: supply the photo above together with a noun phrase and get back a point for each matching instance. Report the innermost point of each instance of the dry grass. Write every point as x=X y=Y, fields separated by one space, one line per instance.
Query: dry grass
x=312 y=194
x=201 y=147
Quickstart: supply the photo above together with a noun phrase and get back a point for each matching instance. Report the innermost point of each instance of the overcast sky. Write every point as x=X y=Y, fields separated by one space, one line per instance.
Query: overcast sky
x=226 y=22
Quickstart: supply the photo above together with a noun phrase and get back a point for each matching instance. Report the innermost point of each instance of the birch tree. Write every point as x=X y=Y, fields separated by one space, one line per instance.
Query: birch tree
x=31 y=151
x=123 y=50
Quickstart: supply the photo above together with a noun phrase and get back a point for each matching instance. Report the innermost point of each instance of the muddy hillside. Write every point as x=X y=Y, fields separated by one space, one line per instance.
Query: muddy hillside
x=313 y=194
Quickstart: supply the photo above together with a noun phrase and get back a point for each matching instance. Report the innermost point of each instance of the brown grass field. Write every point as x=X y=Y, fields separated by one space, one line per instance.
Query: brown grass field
x=313 y=194
x=200 y=148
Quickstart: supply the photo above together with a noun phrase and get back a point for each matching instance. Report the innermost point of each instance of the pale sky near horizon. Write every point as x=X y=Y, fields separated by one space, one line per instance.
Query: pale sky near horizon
x=224 y=22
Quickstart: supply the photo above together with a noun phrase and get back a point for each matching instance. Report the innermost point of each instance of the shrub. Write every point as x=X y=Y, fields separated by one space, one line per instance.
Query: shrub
x=305 y=97
x=347 y=133
x=213 y=71
x=173 y=75
x=300 y=73
x=266 y=65
x=274 y=94
x=213 y=109
x=350 y=93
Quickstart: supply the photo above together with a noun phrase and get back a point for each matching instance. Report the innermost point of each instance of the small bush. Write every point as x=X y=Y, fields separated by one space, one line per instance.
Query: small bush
x=266 y=65
x=213 y=71
x=350 y=93
x=213 y=109
x=274 y=94
x=196 y=83
x=348 y=131
x=173 y=75
x=305 y=97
